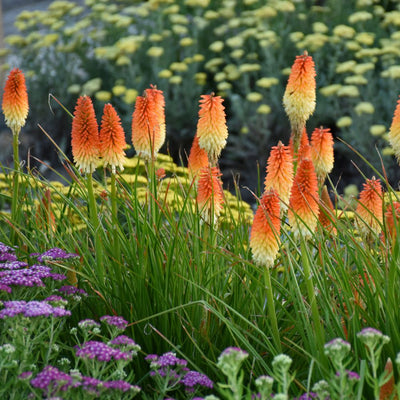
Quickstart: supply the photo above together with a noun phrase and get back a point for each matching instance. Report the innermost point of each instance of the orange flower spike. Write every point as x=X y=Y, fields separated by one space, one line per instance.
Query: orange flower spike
x=148 y=123
x=326 y=214
x=197 y=158
x=85 y=136
x=211 y=126
x=112 y=139
x=322 y=152
x=280 y=173
x=210 y=196
x=15 y=101
x=265 y=231
x=304 y=150
x=369 y=209
x=388 y=390
x=304 y=203
x=392 y=219
x=300 y=94
x=394 y=132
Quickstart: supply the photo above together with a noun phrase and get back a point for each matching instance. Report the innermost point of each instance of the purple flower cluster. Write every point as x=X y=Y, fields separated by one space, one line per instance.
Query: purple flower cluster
x=174 y=368
x=114 y=320
x=101 y=351
x=72 y=291
x=308 y=396
x=54 y=254
x=31 y=309
x=7 y=253
x=51 y=380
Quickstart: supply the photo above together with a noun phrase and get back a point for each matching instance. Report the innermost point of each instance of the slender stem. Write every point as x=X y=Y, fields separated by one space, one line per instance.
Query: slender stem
x=320 y=336
x=271 y=309
x=96 y=228
x=16 y=178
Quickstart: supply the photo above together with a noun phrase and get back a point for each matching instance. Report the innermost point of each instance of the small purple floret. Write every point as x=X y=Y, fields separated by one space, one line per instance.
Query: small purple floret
x=102 y=352
x=51 y=379
x=56 y=254
x=116 y=321
x=193 y=378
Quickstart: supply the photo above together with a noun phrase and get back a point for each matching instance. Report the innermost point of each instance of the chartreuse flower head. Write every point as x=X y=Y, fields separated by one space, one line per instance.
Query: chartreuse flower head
x=299 y=96
x=148 y=123
x=303 y=205
x=212 y=130
x=112 y=139
x=15 y=101
x=85 y=136
x=264 y=238
x=280 y=173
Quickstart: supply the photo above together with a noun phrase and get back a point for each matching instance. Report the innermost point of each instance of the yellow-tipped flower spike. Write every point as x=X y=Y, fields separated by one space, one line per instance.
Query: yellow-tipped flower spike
x=112 y=139
x=280 y=173
x=85 y=136
x=369 y=209
x=300 y=94
x=148 y=123
x=197 y=158
x=303 y=204
x=210 y=196
x=211 y=126
x=322 y=152
x=394 y=132
x=15 y=101
x=265 y=231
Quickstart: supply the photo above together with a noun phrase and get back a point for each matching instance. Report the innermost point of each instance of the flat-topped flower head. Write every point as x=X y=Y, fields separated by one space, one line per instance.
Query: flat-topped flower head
x=369 y=209
x=322 y=152
x=394 y=132
x=15 y=101
x=85 y=136
x=112 y=139
x=303 y=204
x=210 y=196
x=148 y=123
x=212 y=130
x=265 y=231
x=197 y=158
x=280 y=173
x=300 y=94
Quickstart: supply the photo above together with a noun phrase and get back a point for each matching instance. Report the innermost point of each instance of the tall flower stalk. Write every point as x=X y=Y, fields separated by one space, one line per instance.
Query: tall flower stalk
x=15 y=108
x=264 y=243
x=112 y=145
x=86 y=151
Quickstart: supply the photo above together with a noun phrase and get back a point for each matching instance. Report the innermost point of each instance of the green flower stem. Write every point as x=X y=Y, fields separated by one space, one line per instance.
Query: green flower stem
x=271 y=309
x=17 y=173
x=320 y=336
x=114 y=216
x=96 y=228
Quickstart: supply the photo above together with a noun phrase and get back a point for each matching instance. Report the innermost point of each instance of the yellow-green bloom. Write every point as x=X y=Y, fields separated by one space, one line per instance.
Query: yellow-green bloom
x=232 y=72
x=387 y=151
x=364 y=107
x=319 y=27
x=264 y=109
x=235 y=42
x=330 y=90
x=130 y=96
x=347 y=66
x=200 y=78
x=74 y=89
x=155 y=51
x=224 y=86
x=238 y=53
x=155 y=37
x=118 y=90
x=392 y=72
x=217 y=46
x=198 y=58
x=175 y=80
x=356 y=80
x=246 y=67
x=359 y=16
x=186 y=41
x=344 y=31
x=296 y=36
x=266 y=83
x=103 y=95
x=365 y=38
x=219 y=76
x=254 y=97
x=377 y=130
x=178 y=67
x=348 y=91
x=211 y=14
x=344 y=122
x=165 y=73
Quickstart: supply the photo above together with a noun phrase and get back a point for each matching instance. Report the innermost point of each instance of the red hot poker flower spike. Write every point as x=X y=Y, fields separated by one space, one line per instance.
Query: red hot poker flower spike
x=85 y=136
x=112 y=139
x=303 y=205
x=197 y=158
x=15 y=101
x=265 y=231
x=322 y=152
